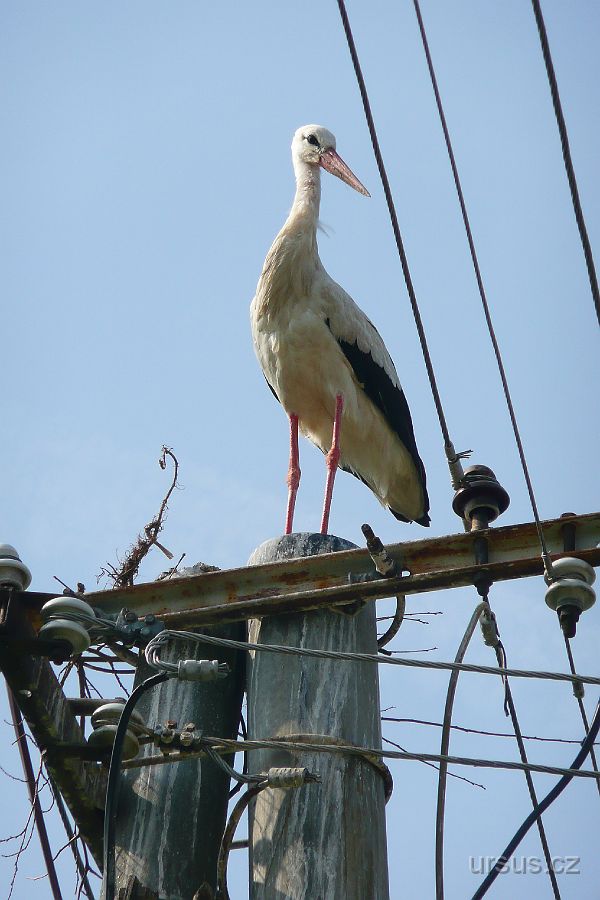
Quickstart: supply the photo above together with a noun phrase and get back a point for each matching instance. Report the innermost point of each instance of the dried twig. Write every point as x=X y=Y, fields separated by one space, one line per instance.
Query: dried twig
x=124 y=576
x=172 y=571
x=433 y=765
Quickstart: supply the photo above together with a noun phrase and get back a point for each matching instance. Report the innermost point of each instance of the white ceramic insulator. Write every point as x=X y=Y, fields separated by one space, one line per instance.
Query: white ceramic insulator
x=570 y=592
x=67 y=607
x=66 y=630
x=104 y=737
x=13 y=572
x=571 y=567
x=110 y=713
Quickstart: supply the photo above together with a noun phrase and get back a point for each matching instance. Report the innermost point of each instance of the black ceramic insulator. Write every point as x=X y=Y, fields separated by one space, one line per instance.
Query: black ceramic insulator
x=482 y=492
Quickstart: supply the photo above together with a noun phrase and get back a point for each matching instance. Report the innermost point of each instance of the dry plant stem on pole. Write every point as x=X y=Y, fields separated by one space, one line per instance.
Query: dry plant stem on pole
x=124 y=576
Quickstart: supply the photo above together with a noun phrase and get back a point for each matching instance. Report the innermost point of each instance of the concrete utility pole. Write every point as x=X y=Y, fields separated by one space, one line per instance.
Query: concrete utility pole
x=171 y=817
x=322 y=841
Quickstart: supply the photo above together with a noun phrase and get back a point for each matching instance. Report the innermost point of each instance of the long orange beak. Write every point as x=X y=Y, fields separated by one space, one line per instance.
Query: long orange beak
x=334 y=163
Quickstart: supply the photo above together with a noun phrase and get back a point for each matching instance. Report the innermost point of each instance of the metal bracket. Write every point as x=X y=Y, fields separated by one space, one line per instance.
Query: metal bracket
x=132 y=630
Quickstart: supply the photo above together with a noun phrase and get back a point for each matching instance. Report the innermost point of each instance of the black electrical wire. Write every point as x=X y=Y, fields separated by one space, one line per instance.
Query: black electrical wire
x=482 y=294
x=566 y=152
x=82 y=869
x=510 y=707
x=38 y=815
x=578 y=692
x=244 y=733
x=448 y=445
x=112 y=788
x=228 y=835
x=444 y=749
x=540 y=808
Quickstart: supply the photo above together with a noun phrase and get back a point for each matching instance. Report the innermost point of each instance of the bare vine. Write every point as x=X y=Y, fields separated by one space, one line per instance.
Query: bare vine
x=125 y=574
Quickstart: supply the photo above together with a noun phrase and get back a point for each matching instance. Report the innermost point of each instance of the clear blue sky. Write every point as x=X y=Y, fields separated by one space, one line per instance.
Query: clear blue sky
x=145 y=171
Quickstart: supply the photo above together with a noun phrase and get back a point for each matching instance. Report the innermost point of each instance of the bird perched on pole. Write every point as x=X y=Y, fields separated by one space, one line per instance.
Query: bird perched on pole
x=324 y=359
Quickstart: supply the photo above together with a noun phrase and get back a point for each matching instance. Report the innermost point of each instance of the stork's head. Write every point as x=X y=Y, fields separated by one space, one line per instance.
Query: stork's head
x=314 y=145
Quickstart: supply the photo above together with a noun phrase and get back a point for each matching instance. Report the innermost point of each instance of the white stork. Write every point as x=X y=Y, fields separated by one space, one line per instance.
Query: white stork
x=325 y=361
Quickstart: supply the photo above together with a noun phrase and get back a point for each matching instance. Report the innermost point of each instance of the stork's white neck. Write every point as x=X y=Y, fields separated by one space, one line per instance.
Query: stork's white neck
x=305 y=209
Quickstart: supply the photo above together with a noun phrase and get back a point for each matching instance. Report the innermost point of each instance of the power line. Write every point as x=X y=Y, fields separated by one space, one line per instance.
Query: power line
x=32 y=788
x=533 y=816
x=578 y=691
x=451 y=455
x=566 y=152
x=482 y=294
x=502 y=734
x=510 y=707
x=485 y=616
x=112 y=787
x=227 y=745
x=387 y=740
x=166 y=635
x=81 y=865
x=444 y=747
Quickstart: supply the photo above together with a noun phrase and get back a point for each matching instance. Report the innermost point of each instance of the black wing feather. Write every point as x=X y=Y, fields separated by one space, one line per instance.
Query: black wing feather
x=271 y=388
x=390 y=400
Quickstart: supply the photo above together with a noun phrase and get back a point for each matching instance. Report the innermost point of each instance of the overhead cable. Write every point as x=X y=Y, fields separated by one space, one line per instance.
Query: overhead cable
x=452 y=456
x=566 y=152
x=536 y=813
x=82 y=867
x=112 y=788
x=479 y=731
x=491 y=637
x=578 y=692
x=227 y=745
x=34 y=799
x=445 y=744
x=482 y=294
x=365 y=657
x=227 y=840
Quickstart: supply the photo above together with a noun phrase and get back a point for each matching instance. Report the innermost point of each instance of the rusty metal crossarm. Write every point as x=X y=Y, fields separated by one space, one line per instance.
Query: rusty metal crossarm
x=53 y=725
x=311 y=582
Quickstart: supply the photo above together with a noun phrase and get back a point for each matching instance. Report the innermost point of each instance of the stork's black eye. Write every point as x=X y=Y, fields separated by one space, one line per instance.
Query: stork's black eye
x=312 y=140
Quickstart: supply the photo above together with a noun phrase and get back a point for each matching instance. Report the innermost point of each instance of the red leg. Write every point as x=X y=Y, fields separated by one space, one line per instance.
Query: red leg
x=293 y=477
x=332 y=459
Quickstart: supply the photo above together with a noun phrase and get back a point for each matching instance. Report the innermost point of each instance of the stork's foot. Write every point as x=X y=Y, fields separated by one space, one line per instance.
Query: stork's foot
x=332 y=460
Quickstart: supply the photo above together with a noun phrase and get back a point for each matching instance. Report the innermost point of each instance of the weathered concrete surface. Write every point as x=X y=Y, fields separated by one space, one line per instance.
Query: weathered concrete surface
x=323 y=841
x=172 y=817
